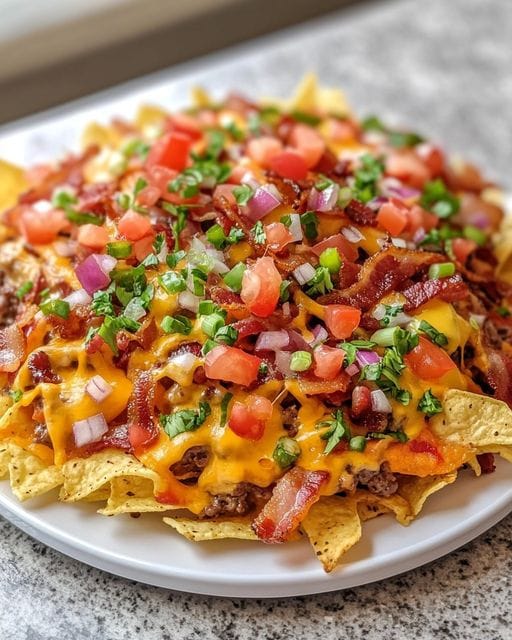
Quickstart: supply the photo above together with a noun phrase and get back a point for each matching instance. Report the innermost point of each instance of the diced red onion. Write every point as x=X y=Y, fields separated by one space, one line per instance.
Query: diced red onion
x=320 y=334
x=283 y=359
x=352 y=234
x=93 y=272
x=376 y=203
x=324 y=200
x=380 y=404
x=249 y=179
x=264 y=200
x=296 y=341
x=65 y=248
x=89 y=430
x=286 y=309
x=295 y=227
x=98 y=388
x=186 y=361
x=188 y=300
x=399 y=242
x=419 y=235
x=352 y=369
x=77 y=298
x=272 y=340
x=398 y=320
x=479 y=219
x=404 y=192
x=367 y=357
x=304 y=273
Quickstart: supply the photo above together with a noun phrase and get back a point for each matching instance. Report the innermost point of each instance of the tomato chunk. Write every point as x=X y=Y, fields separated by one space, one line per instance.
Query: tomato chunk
x=463 y=248
x=231 y=365
x=263 y=149
x=308 y=142
x=328 y=362
x=345 y=248
x=39 y=227
x=428 y=361
x=277 y=235
x=134 y=226
x=260 y=287
x=342 y=320
x=170 y=151
x=248 y=419
x=293 y=496
x=92 y=236
x=392 y=218
x=407 y=166
x=289 y=164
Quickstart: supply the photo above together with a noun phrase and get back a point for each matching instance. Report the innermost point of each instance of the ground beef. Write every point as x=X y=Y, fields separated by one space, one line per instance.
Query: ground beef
x=190 y=467
x=290 y=420
x=41 y=435
x=243 y=499
x=8 y=303
x=381 y=483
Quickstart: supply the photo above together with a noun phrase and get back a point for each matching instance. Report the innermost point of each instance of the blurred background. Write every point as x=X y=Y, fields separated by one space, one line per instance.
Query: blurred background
x=442 y=67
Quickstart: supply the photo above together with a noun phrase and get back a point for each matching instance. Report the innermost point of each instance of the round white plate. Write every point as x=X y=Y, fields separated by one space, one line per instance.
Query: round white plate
x=147 y=550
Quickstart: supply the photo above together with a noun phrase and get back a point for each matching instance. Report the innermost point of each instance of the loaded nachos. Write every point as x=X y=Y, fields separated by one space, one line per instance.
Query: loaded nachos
x=269 y=319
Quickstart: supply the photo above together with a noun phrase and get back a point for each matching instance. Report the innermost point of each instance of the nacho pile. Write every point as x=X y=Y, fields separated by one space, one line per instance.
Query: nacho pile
x=265 y=320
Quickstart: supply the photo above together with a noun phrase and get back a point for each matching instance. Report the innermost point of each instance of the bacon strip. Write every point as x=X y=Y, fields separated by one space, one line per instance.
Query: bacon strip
x=142 y=427
x=360 y=213
x=12 y=348
x=449 y=289
x=294 y=494
x=40 y=367
x=383 y=272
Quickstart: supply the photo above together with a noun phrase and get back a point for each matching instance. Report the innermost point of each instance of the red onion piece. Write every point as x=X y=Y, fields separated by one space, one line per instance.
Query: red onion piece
x=304 y=273
x=352 y=369
x=77 y=298
x=324 y=200
x=404 y=192
x=352 y=234
x=367 y=357
x=187 y=300
x=186 y=361
x=98 y=388
x=283 y=359
x=93 y=272
x=376 y=203
x=320 y=334
x=380 y=403
x=272 y=340
x=295 y=227
x=296 y=342
x=264 y=200
x=89 y=430
x=419 y=235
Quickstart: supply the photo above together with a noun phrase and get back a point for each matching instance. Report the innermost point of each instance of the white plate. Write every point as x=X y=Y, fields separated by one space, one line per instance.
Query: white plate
x=145 y=549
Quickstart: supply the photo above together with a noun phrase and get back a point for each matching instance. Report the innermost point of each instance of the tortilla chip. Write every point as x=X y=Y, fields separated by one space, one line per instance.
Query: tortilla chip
x=368 y=502
x=201 y=530
x=5 y=458
x=29 y=475
x=12 y=183
x=370 y=510
x=150 y=115
x=100 y=495
x=132 y=494
x=103 y=136
x=474 y=420
x=84 y=476
x=333 y=526
x=417 y=490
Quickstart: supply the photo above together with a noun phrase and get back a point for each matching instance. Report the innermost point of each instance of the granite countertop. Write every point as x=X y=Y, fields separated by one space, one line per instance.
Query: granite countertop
x=444 y=68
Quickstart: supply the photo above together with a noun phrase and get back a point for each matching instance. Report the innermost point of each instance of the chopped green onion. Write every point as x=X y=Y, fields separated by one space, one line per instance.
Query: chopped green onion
x=120 y=249
x=441 y=270
x=286 y=220
x=208 y=346
x=286 y=452
x=357 y=443
x=503 y=312
x=25 y=288
x=176 y=324
x=243 y=193
x=300 y=361
x=309 y=222
x=385 y=337
x=233 y=278
x=284 y=293
x=54 y=307
x=211 y=324
x=323 y=183
x=206 y=307
x=172 y=282
x=227 y=335
x=224 y=408
x=82 y=217
x=330 y=258
x=473 y=233
x=216 y=236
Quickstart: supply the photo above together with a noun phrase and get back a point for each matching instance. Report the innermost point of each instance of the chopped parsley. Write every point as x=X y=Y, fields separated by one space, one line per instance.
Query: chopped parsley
x=351 y=348
x=309 y=222
x=337 y=431
x=260 y=237
x=320 y=283
x=184 y=420
x=429 y=404
x=367 y=178
x=392 y=310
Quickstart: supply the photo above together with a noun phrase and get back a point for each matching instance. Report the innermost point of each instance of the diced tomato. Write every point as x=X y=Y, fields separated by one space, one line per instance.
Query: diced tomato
x=293 y=496
x=143 y=247
x=148 y=196
x=39 y=227
x=308 y=143
x=170 y=151
x=462 y=248
x=92 y=236
x=248 y=419
x=406 y=166
x=342 y=320
x=160 y=177
x=361 y=400
x=225 y=191
x=392 y=218
x=237 y=173
x=345 y=248
x=134 y=226
x=231 y=365
x=418 y=218
x=341 y=130
x=289 y=164
x=185 y=124
x=277 y=235
x=428 y=361
x=260 y=287
x=328 y=362
x=261 y=150
x=432 y=156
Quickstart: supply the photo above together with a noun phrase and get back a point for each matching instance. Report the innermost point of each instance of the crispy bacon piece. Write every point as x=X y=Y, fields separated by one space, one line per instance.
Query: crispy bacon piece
x=383 y=272
x=424 y=446
x=314 y=386
x=12 y=348
x=348 y=274
x=450 y=289
x=361 y=214
x=499 y=375
x=142 y=427
x=486 y=462
x=248 y=327
x=40 y=367
x=115 y=438
x=294 y=494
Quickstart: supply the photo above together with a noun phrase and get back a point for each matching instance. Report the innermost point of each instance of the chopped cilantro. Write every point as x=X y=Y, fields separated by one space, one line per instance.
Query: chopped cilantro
x=320 y=283
x=309 y=222
x=337 y=431
x=392 y=310
x=436 y=336
x=367 y=177
x=102 y=303
x=260 y=237
x=429 y=404
x=243 y=193
x=184 y=420
x=351 y=348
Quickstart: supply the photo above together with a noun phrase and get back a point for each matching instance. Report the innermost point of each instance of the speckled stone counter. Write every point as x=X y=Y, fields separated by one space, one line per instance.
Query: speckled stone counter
x=445 y=68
